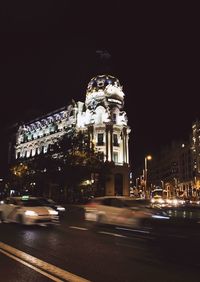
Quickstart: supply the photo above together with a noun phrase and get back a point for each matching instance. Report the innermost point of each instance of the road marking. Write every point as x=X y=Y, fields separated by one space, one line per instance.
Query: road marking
x=77 y=227
x=52 y=269
x=112 y=234
x=133 y=230
x=31 y=266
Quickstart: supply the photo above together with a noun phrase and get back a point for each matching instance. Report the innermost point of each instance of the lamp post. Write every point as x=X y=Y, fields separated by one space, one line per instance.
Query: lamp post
x=164 y=192
x=176 y=186
x=136 y=182
x=147 y=158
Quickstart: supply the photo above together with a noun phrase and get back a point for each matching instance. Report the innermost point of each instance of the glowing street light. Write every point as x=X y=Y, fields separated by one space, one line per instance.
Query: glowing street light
x=147 y=158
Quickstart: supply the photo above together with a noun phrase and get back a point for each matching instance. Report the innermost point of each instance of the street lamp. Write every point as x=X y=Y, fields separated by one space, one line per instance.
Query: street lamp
x=136 y=183
x=147 y=158
x=176 y=186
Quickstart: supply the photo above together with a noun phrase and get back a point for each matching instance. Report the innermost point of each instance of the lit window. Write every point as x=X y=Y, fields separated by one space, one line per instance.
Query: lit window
x=28 y=154
x=115 y=157
x=45 y=149
x=33 y=153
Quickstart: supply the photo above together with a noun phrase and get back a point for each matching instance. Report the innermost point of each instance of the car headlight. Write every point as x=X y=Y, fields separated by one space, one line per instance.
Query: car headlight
x=175 y=202
x=60 y=208
x=161 y=201
x=52 y=212
x=30 y=213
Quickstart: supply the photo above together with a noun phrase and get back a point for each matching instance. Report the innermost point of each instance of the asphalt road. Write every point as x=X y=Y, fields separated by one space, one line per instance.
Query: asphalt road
x=94 y=254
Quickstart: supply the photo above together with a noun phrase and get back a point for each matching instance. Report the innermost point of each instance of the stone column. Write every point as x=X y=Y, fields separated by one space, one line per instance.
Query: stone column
x=111 y=143
x=124 y=145
x=127 y=150
x=107 y=143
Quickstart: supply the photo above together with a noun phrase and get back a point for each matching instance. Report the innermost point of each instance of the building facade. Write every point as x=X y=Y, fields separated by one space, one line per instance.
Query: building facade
x=195 y=149
x=176 y=168
x=101 y=116
x=171 y=169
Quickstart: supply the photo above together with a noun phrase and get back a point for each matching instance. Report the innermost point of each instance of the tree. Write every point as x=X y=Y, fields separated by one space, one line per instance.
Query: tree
x=62 y=171
x=79 y=161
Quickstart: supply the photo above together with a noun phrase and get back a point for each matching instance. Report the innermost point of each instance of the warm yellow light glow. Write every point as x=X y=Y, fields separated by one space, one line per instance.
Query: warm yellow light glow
x=149 y=158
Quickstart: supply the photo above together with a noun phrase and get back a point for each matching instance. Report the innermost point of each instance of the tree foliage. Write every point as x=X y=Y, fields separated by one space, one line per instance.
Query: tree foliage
x=69 y=162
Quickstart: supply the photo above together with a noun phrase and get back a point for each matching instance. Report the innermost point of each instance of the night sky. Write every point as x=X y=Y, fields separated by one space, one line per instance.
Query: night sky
x=49 y=53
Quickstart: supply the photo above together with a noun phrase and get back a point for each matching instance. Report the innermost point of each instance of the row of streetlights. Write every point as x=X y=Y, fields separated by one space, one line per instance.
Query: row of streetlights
x=145 y=176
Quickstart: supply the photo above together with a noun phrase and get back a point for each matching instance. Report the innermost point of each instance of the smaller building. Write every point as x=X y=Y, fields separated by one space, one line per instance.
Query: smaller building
x=176 y=167
x=195 y=149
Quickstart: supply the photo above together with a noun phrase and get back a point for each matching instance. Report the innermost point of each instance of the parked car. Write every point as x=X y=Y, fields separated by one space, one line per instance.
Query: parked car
x=118 y=210
x=27 y=210
x=51 y=203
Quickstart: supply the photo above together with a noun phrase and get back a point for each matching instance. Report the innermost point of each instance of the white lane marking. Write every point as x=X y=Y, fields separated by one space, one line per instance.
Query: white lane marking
x=61 y=273
x=133 y=230
x=77 y=227
x=112 y=234
x=31 y=266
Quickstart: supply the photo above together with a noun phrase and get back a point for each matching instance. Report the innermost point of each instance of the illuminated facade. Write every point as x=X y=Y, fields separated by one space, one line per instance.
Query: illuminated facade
x=195 y=146
x=101 y=116
x=177 y=166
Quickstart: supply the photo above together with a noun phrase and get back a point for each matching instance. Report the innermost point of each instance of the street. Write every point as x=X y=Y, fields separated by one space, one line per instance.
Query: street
x=72 y=251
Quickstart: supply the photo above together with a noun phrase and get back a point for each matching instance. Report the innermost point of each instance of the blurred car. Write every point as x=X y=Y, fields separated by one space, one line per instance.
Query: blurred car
x=26 y=210
x=118 y=210
x=51 y=203
x=157 y=201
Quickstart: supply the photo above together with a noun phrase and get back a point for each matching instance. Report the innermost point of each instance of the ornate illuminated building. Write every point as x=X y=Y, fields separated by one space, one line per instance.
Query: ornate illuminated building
x=101 y=117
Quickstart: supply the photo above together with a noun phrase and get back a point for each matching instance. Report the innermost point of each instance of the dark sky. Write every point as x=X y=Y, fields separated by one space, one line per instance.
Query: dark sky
x=48 y=55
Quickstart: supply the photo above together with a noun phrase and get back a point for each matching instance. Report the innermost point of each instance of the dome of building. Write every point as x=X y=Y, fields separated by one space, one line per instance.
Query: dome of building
x=104 y=89
x=101 y=81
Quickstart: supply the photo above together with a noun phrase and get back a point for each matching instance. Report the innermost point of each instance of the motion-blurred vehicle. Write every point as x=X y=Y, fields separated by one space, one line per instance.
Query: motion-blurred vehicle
x=27 y=210
x=118 y=210
x=158 y=201
x=52 y=204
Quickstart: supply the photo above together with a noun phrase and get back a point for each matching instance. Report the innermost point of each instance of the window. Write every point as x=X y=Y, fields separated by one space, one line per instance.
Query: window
x=28 y=153
x=115 y=140
x=30 y=137
x=115 y=157
x=33 y=152
x=100 y=139
x=45 y=149
x=114 y=117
